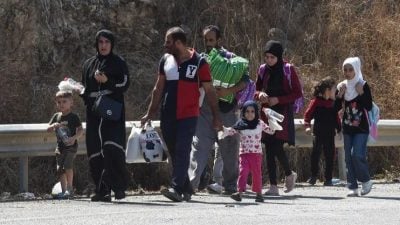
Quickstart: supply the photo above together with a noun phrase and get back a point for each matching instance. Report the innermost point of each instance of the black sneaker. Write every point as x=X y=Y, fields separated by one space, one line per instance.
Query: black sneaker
x=259 y=198
x=101 y=198
x=171 y=194
x=187 y=197
x=236 y=196
x=119 y=195
x=60 y=196
x=328 y=183
x=312 y=180
x=228 y=192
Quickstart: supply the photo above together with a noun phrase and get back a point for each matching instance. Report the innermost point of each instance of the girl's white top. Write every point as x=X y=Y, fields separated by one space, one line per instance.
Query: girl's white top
x=250 y=140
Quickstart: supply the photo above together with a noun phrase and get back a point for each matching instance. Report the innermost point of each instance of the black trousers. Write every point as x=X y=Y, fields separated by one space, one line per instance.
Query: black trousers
x=178 y=136
x=105 y=143
x=274 y=148
x=326 y=144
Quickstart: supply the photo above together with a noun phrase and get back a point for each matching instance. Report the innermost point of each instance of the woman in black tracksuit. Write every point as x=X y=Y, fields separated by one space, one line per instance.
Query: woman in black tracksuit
x=106 y=139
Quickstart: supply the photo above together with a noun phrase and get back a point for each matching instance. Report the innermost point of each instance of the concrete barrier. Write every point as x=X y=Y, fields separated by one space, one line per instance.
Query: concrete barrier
x=30 y=140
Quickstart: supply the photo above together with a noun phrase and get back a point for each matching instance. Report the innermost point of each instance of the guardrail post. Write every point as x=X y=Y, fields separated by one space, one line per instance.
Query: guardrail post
x=23 y=174
x=341 y=164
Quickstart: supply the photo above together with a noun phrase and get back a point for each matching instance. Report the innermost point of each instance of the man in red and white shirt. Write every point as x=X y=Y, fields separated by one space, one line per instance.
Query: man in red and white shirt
x=182 y=71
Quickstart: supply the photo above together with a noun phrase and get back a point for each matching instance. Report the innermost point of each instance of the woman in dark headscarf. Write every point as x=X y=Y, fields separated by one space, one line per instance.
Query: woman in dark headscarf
x=277 y=88
x=106 y=74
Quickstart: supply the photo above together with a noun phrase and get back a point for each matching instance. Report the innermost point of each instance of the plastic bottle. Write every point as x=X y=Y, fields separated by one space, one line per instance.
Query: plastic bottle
x=273 y=115
x=62 y=133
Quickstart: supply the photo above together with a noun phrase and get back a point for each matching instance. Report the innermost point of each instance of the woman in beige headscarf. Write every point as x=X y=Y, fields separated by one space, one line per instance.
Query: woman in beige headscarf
x=355 y=93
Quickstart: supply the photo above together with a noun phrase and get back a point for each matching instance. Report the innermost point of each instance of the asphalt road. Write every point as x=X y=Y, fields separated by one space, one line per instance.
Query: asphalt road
x=305 y=205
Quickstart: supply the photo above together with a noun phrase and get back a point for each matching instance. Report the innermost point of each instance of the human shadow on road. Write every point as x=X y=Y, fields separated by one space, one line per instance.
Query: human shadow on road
x=205 y=202
x=223 y=203
x=293 y=197
x=246 y=195
x=383 y=198
x=142 y=203
x=124 y=202
x=227 y=204
x=304 y=185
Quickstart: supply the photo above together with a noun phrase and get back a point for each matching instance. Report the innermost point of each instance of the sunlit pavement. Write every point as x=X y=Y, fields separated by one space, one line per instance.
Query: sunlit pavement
x=304 y=205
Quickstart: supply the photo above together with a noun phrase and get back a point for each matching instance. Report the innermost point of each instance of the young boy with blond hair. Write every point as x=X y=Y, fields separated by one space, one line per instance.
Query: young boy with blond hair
x=68 y=129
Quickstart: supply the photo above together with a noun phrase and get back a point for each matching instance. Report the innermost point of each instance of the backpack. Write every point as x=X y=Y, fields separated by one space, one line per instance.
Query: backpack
x=246 y=94
x=299 y=102
x=373 y=117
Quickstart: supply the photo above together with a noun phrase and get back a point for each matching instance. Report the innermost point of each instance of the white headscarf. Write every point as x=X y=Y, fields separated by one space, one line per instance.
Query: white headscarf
x=351 y=92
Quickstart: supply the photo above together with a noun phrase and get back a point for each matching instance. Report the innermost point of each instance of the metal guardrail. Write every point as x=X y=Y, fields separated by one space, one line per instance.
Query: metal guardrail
x=30 y=140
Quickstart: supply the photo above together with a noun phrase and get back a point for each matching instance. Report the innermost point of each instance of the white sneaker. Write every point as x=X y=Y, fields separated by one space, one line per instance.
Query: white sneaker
x=290 y=182
x=366 y=187
x=353 y=193
x=215 y=188
x=272 y=191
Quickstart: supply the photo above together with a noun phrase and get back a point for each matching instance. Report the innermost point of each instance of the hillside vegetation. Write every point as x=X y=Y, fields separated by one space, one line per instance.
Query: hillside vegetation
x=43 y=41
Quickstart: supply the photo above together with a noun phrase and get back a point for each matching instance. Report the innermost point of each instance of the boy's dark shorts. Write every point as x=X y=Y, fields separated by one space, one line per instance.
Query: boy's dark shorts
x=65 y=159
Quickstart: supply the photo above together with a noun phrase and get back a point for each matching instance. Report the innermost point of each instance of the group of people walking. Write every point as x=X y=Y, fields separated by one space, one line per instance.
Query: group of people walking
x=192 y=114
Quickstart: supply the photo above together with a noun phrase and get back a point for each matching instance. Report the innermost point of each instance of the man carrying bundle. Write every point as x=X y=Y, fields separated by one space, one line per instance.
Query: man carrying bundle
x=226 y=170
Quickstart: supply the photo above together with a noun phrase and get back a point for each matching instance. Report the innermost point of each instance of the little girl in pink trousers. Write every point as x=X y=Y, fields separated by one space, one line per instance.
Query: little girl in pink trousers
x=250 y=128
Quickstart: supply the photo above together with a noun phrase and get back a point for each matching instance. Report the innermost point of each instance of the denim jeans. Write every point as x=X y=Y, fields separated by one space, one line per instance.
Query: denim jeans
x=355 y=148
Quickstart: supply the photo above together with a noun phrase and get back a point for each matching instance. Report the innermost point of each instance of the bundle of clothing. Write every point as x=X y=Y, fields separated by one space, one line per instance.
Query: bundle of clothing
x=226 y=72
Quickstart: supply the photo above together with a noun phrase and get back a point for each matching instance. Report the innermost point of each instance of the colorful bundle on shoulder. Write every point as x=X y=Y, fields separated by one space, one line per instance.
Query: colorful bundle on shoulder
x=226 y=72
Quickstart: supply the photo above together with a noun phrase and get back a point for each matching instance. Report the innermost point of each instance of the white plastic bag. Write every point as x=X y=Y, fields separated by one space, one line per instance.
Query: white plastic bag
x=133 y=150
x=223 y=133
x=151 y=145
x=70 y=85
x=56 y=189
x=273 y=118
